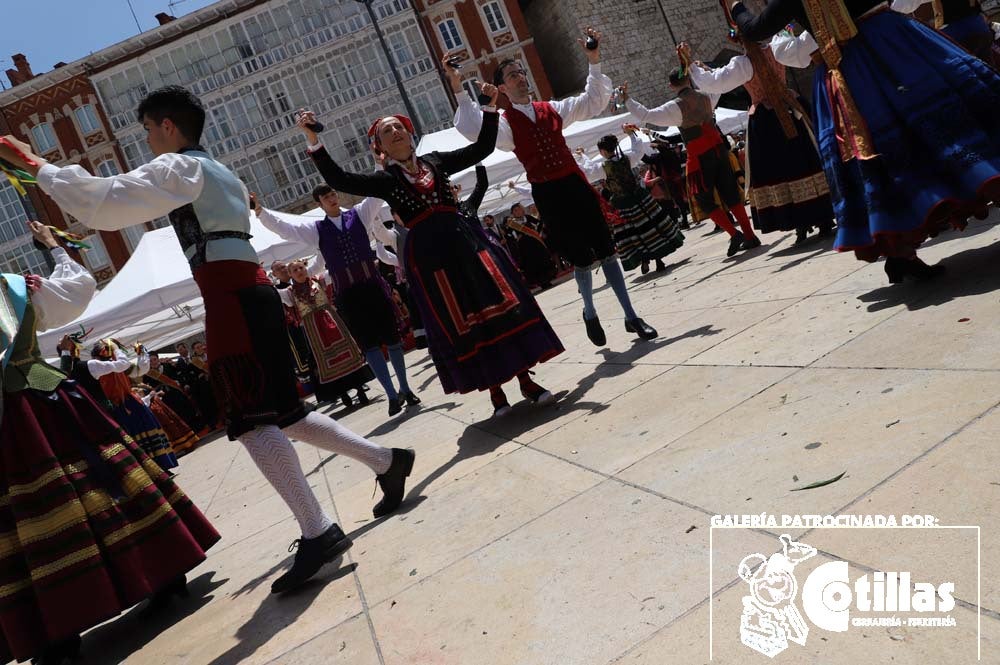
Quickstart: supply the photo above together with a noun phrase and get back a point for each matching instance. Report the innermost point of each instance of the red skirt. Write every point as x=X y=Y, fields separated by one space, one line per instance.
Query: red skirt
x=249 y=359
x=89 y=524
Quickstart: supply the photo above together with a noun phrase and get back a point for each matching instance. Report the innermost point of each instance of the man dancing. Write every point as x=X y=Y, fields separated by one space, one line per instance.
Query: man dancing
x=708 y=166
x=569 y=206
x=360 y=293
x=245 y=327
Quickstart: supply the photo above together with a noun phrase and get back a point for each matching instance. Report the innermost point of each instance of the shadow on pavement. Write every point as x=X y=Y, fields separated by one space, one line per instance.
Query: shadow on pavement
x=116 y=640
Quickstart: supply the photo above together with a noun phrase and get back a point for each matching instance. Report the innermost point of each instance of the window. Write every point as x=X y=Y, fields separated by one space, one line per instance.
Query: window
x=23 y=259
x=86 y=117
x=97 y=256
x=45 y=138
x=471 y=88
x=449 y=34
x=107 y=168
x=494 y=17
x=13 y=219
x=133 y=234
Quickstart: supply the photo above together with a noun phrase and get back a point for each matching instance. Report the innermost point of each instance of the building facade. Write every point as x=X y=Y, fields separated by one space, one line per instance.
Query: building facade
x=640 y=40
x=59 y=114
x=255 y=63
x=481 y=33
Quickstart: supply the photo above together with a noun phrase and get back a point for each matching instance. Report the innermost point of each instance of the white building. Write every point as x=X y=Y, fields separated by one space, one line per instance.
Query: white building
x=254 y=62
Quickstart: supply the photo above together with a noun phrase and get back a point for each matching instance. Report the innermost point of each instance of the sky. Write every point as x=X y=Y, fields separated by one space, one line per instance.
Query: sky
x=50 y=31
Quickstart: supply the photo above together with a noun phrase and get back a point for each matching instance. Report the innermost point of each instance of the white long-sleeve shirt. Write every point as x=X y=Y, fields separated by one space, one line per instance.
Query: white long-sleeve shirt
x=633 y=147
x=588 y=104
x=907 y=6
x=307 y=233
x=721 y=80
x=665 y=115
x=121 y=363
x=115 y=202
x=64 y=294
x=794 y=51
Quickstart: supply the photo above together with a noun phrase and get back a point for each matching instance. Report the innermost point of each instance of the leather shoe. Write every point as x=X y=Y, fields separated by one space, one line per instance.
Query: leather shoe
x=641 y=328
x=735 y=244
x=395 y=406
x=409 y=398
x=393 y=481
x=310 y=556
x=595 y=332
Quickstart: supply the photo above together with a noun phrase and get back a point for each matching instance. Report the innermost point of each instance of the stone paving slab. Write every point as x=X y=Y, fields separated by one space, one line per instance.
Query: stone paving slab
x=579 y=533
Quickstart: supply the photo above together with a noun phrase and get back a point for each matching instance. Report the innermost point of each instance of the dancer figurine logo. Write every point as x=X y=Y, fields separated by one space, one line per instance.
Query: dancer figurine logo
x=771 y=619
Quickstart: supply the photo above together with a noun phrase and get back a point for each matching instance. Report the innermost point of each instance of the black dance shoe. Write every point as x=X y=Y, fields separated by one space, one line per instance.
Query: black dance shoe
x=660 y=267
x=345 y=399
x=645 y=267
x=163 y=598
x=753 y=243
x=595 y=332
x=395 y=406
x=735 y=244
x=420 y=341
x=393 y=481
x=409 y=398
x=898 y=269
x=310 y=556
x=363 y=397
x=536 y=393
x=641 y=328
x=801 y=235
x=825 y=231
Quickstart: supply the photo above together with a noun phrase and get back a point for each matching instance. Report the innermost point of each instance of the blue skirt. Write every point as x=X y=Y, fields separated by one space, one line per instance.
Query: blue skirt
x=931 y=110
x=140 y=423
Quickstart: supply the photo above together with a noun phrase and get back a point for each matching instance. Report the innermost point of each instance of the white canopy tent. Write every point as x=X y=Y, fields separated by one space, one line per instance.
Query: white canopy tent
x=154 y=299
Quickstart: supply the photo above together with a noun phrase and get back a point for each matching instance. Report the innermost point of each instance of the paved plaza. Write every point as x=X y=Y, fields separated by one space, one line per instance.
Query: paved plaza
x=579 y=533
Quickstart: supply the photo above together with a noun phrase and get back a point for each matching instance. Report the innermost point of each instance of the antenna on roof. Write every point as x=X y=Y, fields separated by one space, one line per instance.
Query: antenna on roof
x=134 y=17
x=174 y=3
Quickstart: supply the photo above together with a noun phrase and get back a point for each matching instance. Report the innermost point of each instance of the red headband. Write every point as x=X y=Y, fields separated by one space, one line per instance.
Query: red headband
x=402 y=118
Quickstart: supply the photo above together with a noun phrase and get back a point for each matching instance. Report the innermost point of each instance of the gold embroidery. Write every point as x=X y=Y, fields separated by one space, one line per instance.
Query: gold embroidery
x=65 y=562
x=58 y=519
x=787 y=193
x=132 y=527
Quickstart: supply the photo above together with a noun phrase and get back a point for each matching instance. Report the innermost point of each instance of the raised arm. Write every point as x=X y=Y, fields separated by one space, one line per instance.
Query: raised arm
x=107 y=204
x=793 y=51
x=68 y=290
x=769 y=22
x=469 y=120
x=482 y=184
x=593 y=168
x=461 y=159
x=591 y=102
x=371 y=184
x=666 y=115
x=722 y=79
x=303 y=232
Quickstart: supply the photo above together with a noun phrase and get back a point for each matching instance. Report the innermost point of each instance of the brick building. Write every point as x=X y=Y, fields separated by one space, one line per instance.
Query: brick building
x=481 y=33
x=640 y=38
x=59 y=114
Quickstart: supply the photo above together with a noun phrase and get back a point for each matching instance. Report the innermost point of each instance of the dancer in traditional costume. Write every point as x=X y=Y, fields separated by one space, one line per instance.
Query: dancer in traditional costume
x=535 y=259
x=361 y=295
x=570 y=209
x=647 y=232
x=90 y=525
x=788 y=189
x=244 y=326
x=664 y=178
x=337 y=363
x=107 y=377
x=711 y=179
x=192 y=371
x=483 y=326
x=962 y=20
x=172 y=393
x=906 y=122
x=182 y=438
x=296 y=336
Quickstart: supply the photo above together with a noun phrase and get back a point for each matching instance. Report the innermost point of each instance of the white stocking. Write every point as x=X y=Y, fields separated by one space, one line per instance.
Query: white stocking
x=326 y=433
x=274 y=455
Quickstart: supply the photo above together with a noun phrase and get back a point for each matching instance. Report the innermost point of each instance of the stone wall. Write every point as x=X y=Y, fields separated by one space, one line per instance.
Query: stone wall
x=638 y=44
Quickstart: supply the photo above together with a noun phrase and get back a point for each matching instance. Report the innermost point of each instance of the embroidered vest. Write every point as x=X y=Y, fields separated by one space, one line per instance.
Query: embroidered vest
x=697 y=115
x=216 y=226
x=540 y=146
x=347 y=251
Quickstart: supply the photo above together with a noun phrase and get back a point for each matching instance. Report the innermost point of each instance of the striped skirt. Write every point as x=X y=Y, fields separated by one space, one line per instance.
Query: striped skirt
x=647 y=233
x=89 y=524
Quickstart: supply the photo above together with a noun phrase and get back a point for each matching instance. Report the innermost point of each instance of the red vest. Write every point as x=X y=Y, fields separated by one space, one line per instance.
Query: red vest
x=540 y=145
